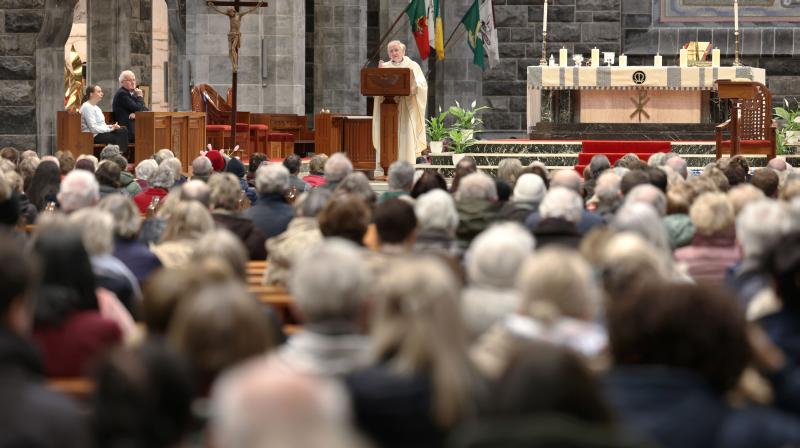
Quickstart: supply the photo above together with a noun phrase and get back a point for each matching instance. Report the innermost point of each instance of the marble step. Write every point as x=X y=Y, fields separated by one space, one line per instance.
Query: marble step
x=569 y=160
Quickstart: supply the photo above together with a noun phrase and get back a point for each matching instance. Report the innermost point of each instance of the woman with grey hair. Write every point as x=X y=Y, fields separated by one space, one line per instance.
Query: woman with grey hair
x=226 y=195
x=493 y=260
x=144 y=170
x=358 y=184
x=421 y=383
x=97 y=232
x=437 y=221
x=509 y=170
x=159 y=185
x=560 y=212
x=127 y=247
x=641 y=218
x=175 y=164
x=302 y=233
x=186 y=223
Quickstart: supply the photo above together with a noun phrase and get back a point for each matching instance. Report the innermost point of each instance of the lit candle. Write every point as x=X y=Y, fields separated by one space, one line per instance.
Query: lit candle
x=684 y=57
x=562 y=57
x=736 y=15
x=623 y=60
x=595 y=57
x=715 y=57
x=657 y=60
x=545 y=17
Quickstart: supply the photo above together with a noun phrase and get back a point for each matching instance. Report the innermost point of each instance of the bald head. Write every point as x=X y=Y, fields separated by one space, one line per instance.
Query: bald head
x=777 y=164
x=568 y=179
x=678 y=164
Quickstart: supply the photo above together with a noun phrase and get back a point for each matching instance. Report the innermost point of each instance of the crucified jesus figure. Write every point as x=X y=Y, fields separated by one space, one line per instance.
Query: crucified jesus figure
x=235 y=33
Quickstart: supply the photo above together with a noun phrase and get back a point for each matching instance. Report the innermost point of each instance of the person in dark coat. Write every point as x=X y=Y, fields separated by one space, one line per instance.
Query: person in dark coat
x=33 y=415
x=226 y=198
x=528 y=193
x=679 y=349
x=477 y=206
x=272 y=213
x=236 y=167
x=560 y=211
x=128 y=100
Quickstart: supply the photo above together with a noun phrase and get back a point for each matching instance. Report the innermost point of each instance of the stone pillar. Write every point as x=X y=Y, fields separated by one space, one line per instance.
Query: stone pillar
x=20 y=23
x=109 y=27
x=340 y=49
x=283 y=79
x=179 y=81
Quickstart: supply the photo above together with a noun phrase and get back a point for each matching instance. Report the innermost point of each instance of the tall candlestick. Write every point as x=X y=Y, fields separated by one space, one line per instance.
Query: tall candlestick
x=545 y=16
x=736 y=15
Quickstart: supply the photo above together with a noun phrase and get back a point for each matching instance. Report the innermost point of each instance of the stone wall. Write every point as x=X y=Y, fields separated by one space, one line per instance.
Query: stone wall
x=20 y=23
x=274 y=83
x=578 y=25
x=340 y=48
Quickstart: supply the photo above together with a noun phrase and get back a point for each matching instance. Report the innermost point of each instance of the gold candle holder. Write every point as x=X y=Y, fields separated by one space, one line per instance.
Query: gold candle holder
x=543 y=59
x=736 y=61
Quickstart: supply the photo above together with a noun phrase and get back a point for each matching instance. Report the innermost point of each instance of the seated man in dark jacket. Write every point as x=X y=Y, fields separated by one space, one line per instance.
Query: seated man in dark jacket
x=33 y=415
x=272 y=213
x=128 y=100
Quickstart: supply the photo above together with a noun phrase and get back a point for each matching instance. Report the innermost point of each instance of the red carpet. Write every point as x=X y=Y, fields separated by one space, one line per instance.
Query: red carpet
x=614 y=150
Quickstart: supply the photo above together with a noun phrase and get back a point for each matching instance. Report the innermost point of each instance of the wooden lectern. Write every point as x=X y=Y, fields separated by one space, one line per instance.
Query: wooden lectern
x=752 y=129
x=388 y=83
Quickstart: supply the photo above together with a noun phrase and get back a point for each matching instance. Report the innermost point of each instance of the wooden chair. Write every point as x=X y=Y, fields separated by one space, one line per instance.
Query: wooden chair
x=218 y=119
x=751 y=128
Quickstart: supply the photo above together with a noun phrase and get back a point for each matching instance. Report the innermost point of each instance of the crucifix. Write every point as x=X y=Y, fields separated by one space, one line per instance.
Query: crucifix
x=234 y=41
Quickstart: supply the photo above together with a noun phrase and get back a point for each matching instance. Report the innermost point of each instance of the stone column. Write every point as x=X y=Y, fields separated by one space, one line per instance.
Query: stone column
x=179 y=82
x=340 y=49
x=283 y=81
x=108 y=33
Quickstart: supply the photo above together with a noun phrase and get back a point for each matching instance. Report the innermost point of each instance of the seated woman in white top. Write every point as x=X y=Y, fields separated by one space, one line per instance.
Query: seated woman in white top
x=92 y=120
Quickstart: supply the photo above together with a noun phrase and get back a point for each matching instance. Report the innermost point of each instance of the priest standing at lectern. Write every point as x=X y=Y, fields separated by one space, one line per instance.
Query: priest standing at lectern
x=410 y=109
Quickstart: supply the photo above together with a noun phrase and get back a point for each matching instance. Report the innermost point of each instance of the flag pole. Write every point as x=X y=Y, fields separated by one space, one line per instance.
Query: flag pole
x=383 y=39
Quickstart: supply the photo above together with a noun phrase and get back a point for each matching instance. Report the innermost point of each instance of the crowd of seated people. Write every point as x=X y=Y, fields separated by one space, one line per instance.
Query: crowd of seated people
x=638 y=305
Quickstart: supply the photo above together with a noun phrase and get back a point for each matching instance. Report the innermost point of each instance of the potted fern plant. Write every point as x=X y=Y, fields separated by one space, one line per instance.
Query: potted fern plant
x=467 y=119
x=437 y=131
x=460 y=140
x=789 y=131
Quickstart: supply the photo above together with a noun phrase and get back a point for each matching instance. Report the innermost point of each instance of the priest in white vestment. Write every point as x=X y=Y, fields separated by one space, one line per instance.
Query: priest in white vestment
x=410 y=109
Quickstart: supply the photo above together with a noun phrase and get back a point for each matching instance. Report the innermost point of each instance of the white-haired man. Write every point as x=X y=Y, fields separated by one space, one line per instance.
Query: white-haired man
x=128 y=100
x=410 y=109
x=79 y=189
x=337 y=168
x=570 y=180
x=271 y=213
x=560 y=212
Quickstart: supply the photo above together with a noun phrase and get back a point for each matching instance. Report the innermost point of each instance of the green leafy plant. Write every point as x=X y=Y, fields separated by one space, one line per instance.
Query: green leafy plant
x=435 y=127
x=789 y=121
x=460 y=140
x=467 y=118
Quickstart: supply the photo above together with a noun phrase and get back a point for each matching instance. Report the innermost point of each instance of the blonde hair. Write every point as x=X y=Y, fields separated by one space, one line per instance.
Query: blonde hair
x=712 y=213
x=561 y=279
x=417 y=322
x=189 y=220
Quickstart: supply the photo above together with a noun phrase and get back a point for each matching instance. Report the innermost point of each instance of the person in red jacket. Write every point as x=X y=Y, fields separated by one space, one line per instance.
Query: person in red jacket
x=159 y=184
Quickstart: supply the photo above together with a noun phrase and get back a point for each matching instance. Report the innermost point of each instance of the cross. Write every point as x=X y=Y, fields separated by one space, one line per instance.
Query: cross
x=234 y=40
x=642 y=101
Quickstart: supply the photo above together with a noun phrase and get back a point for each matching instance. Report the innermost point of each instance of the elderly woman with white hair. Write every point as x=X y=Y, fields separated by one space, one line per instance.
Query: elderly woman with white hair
x=337 y=168
x=713 y=249
x=421 y=383
x=476 y=202
x=560 y=212
x=529 y=190
x=127 y=247
x=143 y=171
x=97 y=227
x=493 y=261
x=437 y=221
x=159 y=184
x=558 y=302
x=226 y=195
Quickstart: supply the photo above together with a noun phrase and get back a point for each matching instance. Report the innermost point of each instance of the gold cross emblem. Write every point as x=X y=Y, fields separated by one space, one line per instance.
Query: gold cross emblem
x=640 y=102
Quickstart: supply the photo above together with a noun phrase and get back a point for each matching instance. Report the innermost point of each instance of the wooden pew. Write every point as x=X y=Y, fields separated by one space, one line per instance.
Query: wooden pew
x=70 y=137
x=280 y=300
x=79 y=388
